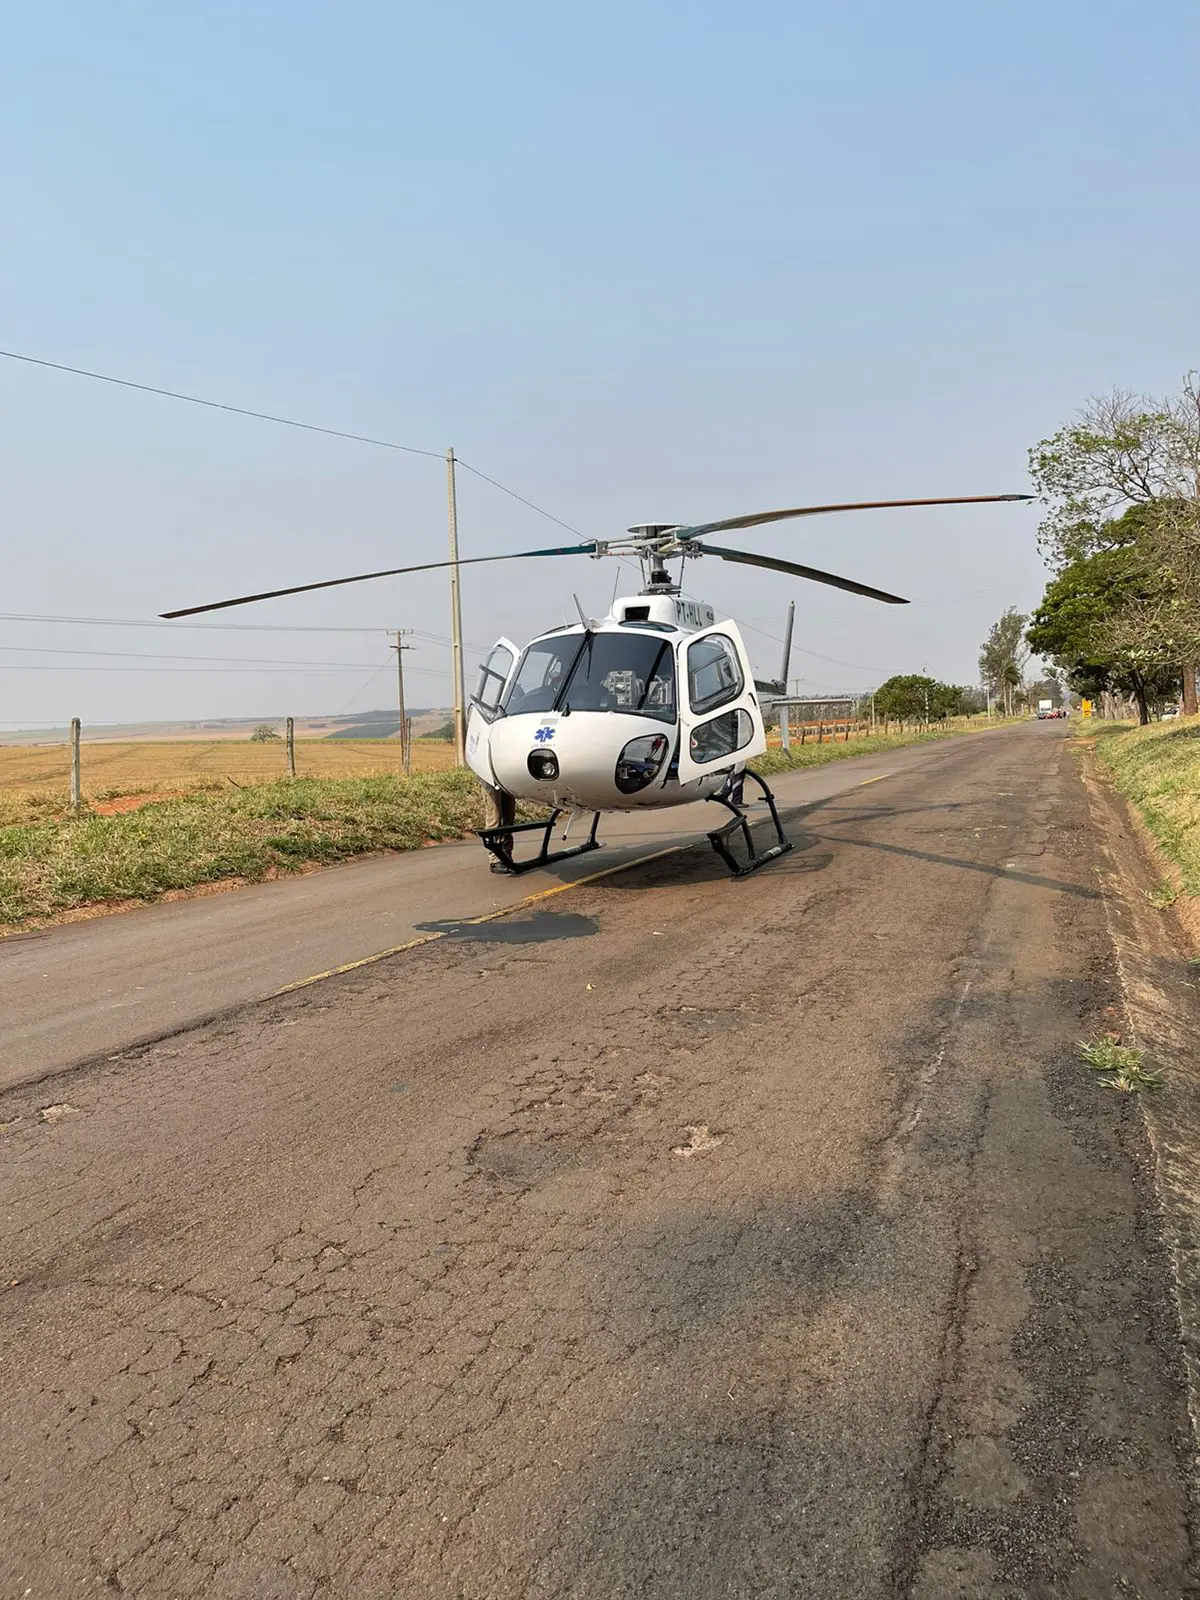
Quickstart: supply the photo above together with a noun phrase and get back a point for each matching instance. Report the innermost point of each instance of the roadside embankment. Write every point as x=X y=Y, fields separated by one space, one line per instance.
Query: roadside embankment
x=53 y=863
x=1158 y=770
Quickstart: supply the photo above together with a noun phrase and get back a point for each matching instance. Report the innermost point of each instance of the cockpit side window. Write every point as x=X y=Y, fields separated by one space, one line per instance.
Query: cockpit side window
x=714 y=672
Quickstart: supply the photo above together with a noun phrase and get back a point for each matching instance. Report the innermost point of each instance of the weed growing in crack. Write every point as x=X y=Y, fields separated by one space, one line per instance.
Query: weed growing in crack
x=1161 y=896
x=1118 y=1066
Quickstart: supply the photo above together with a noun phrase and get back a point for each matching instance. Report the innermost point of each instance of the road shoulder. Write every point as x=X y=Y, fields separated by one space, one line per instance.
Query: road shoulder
x=1160 y=995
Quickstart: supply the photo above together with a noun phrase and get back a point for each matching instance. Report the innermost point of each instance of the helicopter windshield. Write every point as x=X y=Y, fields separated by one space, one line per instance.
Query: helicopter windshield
x=596 y=672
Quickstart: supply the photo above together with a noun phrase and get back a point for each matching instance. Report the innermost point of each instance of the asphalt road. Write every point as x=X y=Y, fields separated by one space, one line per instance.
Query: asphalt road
x=71 y=993
x=677 y=1237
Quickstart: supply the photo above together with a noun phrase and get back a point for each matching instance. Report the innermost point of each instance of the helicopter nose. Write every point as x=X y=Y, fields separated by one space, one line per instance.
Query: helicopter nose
x=556 y=758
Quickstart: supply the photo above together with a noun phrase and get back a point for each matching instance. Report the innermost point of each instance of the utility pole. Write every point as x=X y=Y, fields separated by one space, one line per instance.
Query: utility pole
x=456 y=647
x=400 y=647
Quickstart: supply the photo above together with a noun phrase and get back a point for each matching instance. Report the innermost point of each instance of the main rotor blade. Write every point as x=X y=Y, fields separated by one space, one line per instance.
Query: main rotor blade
x=756 y=519
x=391 y=572
x=746 y=559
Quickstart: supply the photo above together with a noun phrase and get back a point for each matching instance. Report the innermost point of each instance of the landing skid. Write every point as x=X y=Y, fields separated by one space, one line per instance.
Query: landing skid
x=731 y=798
x=498 y=842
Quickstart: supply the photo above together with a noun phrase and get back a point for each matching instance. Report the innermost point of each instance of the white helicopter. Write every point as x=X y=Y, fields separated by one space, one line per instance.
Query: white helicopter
x=654 y=705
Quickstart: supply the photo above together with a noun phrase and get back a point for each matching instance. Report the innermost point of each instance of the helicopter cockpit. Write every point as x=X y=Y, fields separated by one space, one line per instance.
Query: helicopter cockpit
x=630 y=672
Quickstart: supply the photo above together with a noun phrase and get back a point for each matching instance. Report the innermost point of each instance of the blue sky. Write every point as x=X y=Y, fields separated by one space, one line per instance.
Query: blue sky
x=639 y=262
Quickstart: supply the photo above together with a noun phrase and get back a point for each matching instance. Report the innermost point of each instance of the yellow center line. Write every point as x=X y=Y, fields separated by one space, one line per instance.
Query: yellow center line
x=879 y=779
x=471 y=922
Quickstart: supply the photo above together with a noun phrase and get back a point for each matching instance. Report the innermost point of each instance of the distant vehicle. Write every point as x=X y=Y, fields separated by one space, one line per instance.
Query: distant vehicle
x=1169 y=713
x=1045 y=709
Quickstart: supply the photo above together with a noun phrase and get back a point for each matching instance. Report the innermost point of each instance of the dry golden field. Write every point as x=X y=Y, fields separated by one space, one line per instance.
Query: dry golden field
x=174 y=767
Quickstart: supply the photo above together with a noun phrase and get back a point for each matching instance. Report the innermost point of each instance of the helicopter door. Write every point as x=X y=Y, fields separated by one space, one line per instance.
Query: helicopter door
x=494 y=677
x=720 y=724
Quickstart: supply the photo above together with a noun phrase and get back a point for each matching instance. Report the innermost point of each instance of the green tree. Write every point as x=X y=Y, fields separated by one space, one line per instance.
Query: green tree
x=1158 y=627
x=1048 y=687
x=1003 y=657
x=1074 y=627
x=263 y=733
x=911 y=697
x=1127 y=472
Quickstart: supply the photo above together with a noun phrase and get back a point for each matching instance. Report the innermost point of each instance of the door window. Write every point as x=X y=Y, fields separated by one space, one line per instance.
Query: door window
x=721 y=736
x=714 y=672
x=493 y=675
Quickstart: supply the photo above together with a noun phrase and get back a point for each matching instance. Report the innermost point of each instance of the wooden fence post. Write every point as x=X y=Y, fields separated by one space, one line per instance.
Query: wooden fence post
x=291 y=746
x=76 y=776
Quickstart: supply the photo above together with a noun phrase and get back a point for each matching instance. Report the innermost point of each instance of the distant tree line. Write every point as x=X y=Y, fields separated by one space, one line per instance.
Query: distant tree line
x=911 y=697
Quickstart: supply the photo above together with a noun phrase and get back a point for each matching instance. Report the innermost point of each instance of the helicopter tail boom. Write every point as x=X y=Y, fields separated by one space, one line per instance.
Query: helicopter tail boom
x=779 y=685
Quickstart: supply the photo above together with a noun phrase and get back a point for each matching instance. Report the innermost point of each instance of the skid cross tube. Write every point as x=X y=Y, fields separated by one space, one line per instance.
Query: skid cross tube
x=498 y=842
x=731 y=798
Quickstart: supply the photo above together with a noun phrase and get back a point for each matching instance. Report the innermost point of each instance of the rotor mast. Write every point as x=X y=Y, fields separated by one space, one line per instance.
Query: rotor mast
x=653 y=543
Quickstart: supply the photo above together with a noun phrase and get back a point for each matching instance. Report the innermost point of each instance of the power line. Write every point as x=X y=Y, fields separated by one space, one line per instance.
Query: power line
x=833 y=660
x=512 y=493
x=286 y=422
x=149 y=655
x=363 y=687
x=219 y=405
x=855 y=666
x=21 y=666
x=223 y=627
x=144 y=622
x=295 y=670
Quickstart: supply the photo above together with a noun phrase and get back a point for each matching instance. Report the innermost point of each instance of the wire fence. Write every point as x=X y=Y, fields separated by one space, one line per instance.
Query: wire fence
x=106 y=772
x=789 y=733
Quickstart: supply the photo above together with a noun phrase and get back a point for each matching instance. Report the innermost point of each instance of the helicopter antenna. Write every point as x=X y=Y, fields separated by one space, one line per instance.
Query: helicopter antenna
x=584 y=619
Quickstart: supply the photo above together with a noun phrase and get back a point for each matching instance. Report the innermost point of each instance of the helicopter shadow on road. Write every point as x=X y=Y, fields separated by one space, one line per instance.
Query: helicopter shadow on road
x=696 y=863
x=882 y=814
x=539 y=927
x=1010 y=874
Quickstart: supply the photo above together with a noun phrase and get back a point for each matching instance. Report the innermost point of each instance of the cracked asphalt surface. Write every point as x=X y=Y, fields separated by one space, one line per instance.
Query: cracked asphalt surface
x=686 y=1237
